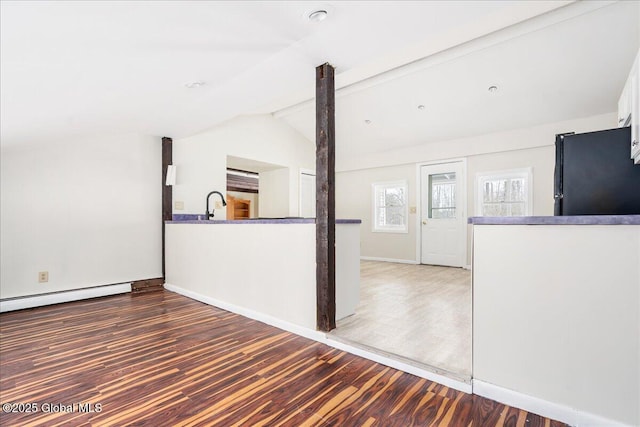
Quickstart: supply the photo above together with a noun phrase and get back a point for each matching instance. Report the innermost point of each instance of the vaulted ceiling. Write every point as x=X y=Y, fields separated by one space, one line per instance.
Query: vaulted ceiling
x=564 y=65
x=82 y=67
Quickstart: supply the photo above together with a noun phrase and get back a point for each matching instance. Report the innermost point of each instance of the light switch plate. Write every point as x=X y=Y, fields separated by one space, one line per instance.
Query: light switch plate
x=178 y=205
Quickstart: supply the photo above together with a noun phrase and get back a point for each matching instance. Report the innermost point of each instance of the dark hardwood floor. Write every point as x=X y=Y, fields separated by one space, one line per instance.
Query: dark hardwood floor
x=161 y=359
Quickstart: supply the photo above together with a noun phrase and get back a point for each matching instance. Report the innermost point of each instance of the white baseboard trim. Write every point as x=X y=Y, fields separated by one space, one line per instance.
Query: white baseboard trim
x=323 y=338
x=251 y=314
x=400 y=261
x=64 y=296
x=565 y=414
x=401 y=366
x=467 y=267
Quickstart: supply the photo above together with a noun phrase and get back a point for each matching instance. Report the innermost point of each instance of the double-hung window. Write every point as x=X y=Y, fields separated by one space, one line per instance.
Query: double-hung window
x=504 y=193
x=390 y=207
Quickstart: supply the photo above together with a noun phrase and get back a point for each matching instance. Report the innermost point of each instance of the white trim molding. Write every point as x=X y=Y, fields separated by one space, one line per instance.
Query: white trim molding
x=478 y=192
x=376 y=187
x=399 y=365
x=562 y=413
x=324 y=339
x=32 y=301
x=301 y=172
x=399 y=261
x=251 y=314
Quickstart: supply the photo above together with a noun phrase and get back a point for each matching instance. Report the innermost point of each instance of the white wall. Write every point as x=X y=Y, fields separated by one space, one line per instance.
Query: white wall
x=87 y=211
x=556 y=314
x=201 y=159
x=531 y=147
x=275 y=192
x=536 y=136
x=353 y=200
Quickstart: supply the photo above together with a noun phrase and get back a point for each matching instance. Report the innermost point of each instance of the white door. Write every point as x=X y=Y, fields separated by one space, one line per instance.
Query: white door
x=443 y=223
x=307 y=195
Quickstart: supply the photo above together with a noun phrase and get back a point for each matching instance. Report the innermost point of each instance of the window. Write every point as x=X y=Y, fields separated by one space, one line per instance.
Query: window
x=505 y=193
x=442 y=195
x=390 y=209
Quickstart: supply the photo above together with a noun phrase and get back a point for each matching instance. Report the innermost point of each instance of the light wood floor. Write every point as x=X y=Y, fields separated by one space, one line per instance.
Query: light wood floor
x=419 y=312
x=161 y=359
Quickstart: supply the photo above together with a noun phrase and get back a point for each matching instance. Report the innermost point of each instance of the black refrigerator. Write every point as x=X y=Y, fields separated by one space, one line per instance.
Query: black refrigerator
x=595 y=174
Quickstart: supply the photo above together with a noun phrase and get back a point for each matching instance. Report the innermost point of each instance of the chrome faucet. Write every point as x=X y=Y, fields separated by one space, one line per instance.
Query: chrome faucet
x=224 y=203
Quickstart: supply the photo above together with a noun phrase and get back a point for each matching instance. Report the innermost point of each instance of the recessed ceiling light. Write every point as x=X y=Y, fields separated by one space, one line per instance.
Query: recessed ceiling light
x=367 y=121
x=493 y=89
x=196 y=84
x=420 y=107
x=317 y=15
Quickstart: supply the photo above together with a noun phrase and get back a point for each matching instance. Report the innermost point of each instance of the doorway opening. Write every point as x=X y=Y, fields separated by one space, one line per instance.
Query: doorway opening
x=256 y=189
x=242 y=193
x=420 y=312
x=307 y=197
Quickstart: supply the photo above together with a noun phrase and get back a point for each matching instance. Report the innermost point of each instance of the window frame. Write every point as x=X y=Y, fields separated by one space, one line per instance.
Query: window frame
x=482 y=177
x=375 y=228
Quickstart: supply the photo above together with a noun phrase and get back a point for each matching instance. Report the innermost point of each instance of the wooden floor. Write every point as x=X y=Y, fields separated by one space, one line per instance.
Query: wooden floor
x=419 y=312
x=161 y=359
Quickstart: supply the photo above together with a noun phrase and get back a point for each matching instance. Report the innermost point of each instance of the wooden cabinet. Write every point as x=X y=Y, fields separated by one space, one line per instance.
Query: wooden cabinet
x=238 y=208
x=629 y=108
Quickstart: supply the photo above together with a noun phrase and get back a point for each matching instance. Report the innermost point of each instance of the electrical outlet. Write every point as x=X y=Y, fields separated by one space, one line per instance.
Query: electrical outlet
x=43 y=276
x=178 y=205
x=218 y=204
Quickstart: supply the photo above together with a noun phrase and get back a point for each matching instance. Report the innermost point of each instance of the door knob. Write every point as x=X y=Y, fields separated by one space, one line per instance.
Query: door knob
x=424 y=222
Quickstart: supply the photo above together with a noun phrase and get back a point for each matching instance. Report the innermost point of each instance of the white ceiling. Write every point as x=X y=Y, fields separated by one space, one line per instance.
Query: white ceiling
x=545 y=72
x=85 y=67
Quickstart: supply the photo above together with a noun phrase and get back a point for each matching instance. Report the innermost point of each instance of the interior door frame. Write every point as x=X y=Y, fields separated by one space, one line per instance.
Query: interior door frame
x=462 y=186
x=303 y=171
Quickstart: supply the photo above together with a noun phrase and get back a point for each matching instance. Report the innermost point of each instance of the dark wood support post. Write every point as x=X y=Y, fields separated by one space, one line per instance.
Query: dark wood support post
x=167 y=193
x=156 y=284
x=325 y=199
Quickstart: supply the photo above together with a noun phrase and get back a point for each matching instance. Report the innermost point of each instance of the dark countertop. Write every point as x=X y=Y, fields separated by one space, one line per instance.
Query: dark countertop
x=557 y=220
x=194 y=219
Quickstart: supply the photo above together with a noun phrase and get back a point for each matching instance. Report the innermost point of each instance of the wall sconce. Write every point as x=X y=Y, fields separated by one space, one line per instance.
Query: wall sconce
x=171 y=175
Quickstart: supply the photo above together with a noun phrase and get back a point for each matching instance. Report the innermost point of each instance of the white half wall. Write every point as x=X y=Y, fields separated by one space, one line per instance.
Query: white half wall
x=87 y=211
x=263 y=268
x=556 y=315
x=201 y=160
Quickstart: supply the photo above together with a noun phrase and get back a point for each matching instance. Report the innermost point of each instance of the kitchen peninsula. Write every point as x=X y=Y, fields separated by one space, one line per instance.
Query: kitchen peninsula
x=556 y=309
x=261 y=268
